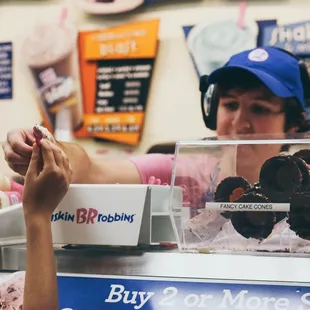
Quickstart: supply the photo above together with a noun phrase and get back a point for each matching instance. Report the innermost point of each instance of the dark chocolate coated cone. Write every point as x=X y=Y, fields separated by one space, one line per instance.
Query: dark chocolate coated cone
x=280 y=177
x=258 y=225
x=225 y=189
x=299 y=215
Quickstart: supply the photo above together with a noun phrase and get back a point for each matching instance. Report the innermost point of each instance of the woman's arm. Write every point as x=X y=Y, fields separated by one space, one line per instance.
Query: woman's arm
x=89 y=170
x=41 y=280
x=46 y=183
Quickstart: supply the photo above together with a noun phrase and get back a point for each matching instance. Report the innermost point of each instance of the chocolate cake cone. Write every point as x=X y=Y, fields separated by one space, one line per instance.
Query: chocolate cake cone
x=280 y=177
x=229 y=190
x=279 y=216
x=299 y=215
x=258 y=225
x=304 y=169
x=304 y=155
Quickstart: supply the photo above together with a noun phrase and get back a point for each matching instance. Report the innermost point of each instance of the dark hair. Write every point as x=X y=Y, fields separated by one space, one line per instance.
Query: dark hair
x=243 y=80
x=295 y=116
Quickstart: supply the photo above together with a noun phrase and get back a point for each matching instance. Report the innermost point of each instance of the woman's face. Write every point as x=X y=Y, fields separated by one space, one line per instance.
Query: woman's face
x=250 y=112
x=255 y=112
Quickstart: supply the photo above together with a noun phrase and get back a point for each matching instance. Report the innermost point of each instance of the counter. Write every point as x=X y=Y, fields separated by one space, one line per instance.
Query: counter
x=91 y=278
x=169 y=263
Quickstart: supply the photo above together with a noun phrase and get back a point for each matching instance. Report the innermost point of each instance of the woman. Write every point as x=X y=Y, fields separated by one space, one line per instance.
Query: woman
x=258 y=92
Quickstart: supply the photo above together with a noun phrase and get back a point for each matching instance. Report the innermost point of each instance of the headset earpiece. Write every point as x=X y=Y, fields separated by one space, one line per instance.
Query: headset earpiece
x=208 y=107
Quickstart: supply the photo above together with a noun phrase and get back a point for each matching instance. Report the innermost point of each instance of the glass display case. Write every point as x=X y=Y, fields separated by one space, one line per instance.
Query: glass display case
x=245 y=195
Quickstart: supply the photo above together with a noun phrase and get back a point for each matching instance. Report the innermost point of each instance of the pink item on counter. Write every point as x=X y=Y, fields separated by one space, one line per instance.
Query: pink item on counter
x=8 y=199
x=11 y=198
x=12 y=292
x=5 y=183
x=8 y=185
x=16 y=187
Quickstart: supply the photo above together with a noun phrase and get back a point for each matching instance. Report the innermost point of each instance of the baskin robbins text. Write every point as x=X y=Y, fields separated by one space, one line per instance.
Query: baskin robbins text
x=91 y=216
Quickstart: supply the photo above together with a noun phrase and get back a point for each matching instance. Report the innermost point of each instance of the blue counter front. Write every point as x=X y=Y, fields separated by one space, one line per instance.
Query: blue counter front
x=118 y=293
x=94 y=279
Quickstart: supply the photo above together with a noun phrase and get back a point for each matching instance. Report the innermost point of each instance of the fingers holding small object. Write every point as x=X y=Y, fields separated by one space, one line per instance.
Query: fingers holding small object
x=43 y=133
x=20 y=169
x=12 y=157
x=66 y=162
x=53 y=157
x=47 y=153
x=52 y=154
x=34 y=161
x=15 y=144
x=37 y=134
x=58 y=155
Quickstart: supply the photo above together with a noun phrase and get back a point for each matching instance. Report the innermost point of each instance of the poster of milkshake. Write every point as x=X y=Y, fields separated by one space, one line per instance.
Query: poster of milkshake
x=105 y=7
x=116 y=67
x=293 y=37
x=211 y=44
x=48 y=52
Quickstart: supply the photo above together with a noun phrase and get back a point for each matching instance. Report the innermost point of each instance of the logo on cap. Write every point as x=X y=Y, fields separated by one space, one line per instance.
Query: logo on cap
x=258 y=55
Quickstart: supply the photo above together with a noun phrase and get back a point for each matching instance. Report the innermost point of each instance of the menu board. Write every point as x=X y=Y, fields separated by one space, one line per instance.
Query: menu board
x=6 y=84
x=116 y=68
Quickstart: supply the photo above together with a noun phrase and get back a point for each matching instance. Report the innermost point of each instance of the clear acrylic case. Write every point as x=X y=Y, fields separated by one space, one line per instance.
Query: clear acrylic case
x=250 y=195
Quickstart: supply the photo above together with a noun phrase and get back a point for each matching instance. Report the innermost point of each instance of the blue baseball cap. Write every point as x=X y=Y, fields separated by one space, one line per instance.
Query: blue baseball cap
x=275 y=68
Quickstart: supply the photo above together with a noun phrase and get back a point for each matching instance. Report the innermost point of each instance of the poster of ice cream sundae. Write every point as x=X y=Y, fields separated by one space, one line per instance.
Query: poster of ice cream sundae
x=211 y=44
x=105 y=7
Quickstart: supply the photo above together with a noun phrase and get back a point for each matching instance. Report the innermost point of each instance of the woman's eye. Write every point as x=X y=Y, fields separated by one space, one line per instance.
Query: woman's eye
x=232 y=106
x=260 y=110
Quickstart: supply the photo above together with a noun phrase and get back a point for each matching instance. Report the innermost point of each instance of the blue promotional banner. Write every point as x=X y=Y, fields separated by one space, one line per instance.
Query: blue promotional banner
x=294 y=38
x=6 y=84
x=97 y=293
x=262 y=24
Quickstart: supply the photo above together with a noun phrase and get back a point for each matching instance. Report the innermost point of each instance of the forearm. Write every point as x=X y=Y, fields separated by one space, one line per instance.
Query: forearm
x=80 y=162
x=87 y=170
x=41 y=290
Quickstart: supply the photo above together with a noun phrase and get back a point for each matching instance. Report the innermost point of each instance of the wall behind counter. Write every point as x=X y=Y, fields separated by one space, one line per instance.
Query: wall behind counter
x=173 y=107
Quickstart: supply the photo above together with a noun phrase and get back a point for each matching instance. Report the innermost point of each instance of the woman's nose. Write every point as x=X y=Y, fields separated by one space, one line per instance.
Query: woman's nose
x=241 y=122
